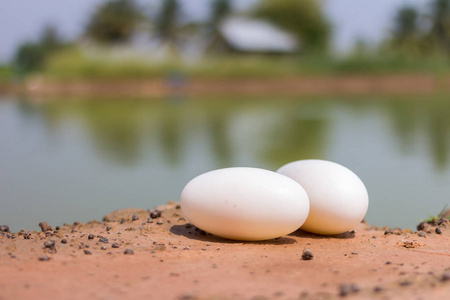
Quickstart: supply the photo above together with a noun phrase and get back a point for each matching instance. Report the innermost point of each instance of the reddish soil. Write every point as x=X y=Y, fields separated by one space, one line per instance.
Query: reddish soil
x=173 y=260
x=320 y=85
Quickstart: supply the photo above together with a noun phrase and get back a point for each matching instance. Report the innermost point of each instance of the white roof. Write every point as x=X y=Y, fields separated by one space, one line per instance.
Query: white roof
x=257 y=36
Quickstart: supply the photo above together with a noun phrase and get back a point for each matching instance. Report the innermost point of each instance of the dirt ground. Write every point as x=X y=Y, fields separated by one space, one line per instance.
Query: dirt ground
x=124 y=257
x=403 y=84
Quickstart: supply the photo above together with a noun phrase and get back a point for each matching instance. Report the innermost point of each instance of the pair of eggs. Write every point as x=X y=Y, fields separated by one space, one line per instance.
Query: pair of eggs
x=255 y=204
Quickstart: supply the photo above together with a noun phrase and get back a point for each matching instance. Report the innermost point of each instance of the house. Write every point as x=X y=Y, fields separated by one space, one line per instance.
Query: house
x=252 y=36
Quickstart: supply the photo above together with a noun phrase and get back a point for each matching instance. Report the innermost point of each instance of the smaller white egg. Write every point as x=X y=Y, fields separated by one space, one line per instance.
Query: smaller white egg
x=245 y=203
x=338 y=198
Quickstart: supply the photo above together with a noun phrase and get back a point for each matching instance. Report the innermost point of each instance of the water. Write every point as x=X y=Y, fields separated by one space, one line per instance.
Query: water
x=65 y=160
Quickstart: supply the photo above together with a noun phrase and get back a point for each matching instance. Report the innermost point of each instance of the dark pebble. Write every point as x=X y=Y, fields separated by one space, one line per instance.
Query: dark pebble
x=4 y=228
x=103 y=240
x=307 y=254
x=134 y=217
x=48 y=233
x=27 y=235
x=44 y=258
x=87 y=252
x=438 y=230
x=347 y=288
x=445 y=276
x=405 y=283
x=57 y=228
x=76 y=223
x=378 y=289
x=122 y=221
x=388 y=232
x=160 y=222
x=91 y=237
x=63 y=241
x=108 y=228
x=49 y=244
x=128 y=251
x=45 y=227
x=154 y=213
x=55 y=231
x=149 y=220
x=422 y=234
x=388 y=262
x=103 y=248
x=188 y=225
x=354 y=253
x=115 y=245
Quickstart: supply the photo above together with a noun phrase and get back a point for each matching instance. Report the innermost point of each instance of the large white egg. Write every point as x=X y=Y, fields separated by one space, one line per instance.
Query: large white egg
x=338 y=198
x=245 y=203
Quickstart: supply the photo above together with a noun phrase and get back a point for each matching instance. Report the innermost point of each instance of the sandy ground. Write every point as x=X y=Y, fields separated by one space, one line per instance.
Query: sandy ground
x=173 y=260
x=289 y=86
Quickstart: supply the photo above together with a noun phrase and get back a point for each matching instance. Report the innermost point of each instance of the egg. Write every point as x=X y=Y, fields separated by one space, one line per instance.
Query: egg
x=243 y=203
x=338 y=198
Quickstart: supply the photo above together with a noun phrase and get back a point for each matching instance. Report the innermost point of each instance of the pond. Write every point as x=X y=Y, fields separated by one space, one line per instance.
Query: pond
x=64 y=160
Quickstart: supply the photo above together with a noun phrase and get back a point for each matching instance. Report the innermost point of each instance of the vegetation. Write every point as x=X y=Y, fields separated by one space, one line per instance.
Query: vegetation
x=114 y=22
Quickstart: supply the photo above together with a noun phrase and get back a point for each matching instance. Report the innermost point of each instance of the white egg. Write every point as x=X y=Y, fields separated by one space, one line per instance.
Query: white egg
x=245 y=203
x=338 y=198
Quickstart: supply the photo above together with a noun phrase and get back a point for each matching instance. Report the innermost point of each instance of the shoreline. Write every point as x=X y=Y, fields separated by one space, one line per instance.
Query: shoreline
x=174 y=260
x=400 y=84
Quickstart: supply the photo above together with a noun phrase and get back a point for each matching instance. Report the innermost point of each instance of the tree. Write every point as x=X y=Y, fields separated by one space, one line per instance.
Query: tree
x=167 y=21
x=406 y=24
x=114 y=21
x=303 y=18
x=440 y=17
x=220 y=10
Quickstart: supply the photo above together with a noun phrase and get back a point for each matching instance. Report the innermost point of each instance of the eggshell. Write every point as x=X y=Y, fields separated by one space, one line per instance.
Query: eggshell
x=338 y=198
x=245 y=203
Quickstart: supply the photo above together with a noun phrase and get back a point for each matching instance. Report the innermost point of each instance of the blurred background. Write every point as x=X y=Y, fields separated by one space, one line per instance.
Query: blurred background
x=113 y=104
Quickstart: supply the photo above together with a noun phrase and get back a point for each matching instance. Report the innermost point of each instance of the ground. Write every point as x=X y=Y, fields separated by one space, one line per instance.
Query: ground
x=170 y=259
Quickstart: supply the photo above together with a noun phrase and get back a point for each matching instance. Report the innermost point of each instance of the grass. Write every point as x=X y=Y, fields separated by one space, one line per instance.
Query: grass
x=73 y=64
x=432 y=218
x=6 y=73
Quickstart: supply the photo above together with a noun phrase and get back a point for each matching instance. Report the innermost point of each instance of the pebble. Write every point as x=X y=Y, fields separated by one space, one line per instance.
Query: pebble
x=108 y=228
x=27 y=235
x=154 y=213
x=307 y=254
x=378 y=289
x=160 y=222
x=438 y=230
x=128 y=251
x=186 y=248
x=122 y=221
x=44 y=258
x=57 y=228
x=347 y=288
x=150 y=220
x=87 y=252
x=91 y=237
x=103 y=248
x=115 y=245
x=63 y=241
x=134 y=217
x=4 y=228
x=445 y=276
x=103 y=240
x=49 y=244
x=45 y=227
x=422 y=234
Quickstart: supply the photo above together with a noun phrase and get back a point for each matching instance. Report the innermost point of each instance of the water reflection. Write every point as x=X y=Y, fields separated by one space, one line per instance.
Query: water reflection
x=113 y=153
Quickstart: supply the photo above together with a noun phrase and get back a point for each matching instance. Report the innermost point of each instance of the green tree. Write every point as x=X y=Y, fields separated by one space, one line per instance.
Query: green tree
x=304 y=18
x=220 y=10
x=440 y=17
x=406 y=24
x=114 y=21
x=167 y=26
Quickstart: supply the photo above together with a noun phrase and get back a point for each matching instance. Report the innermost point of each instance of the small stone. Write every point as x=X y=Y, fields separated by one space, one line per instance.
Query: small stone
x=122 y=221
x=103 y=248
x=44 y=258
x=388 y=262
x=63 y=241
x=422 y=234
x=188 y=225
x=388 y=232
x=160 y=222
x=45 y=227
x=27 y=235
x=405 y=283
x=438 y=230
x=87 y=252
x=115 y=245
x=154 y=213
x=49 y=244
x=346 y=289
x=4 y=228
x=103 y=240
x=91 y=237
x=150 y=220
x=128 y=251
x=307 y=254
x=134 y=217
x=378 y=289
x=108 y=228
x=57 y=228
x=445 y=276
x=186 y=248
x=76 y=223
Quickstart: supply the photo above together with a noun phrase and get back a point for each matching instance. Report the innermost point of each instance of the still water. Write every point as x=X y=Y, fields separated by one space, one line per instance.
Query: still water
x=65 y=160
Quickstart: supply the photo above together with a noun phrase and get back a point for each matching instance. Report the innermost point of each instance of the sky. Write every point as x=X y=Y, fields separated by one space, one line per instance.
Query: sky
x=23 y=20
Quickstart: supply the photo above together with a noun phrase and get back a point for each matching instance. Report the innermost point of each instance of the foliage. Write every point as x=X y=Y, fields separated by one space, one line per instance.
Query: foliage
x=167 y=20
x=114 y=21
x=304 y=18
x=220 y=10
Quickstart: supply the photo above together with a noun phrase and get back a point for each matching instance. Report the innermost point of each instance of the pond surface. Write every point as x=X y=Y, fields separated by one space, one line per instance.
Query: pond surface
x=65 y=160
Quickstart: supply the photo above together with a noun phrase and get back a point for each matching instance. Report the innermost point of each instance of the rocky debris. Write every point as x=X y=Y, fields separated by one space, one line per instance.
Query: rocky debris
x=348 y=288
x=409 y=244
x=307 y=254
x=45 y=227
x=4 y=228
x=155 y=213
